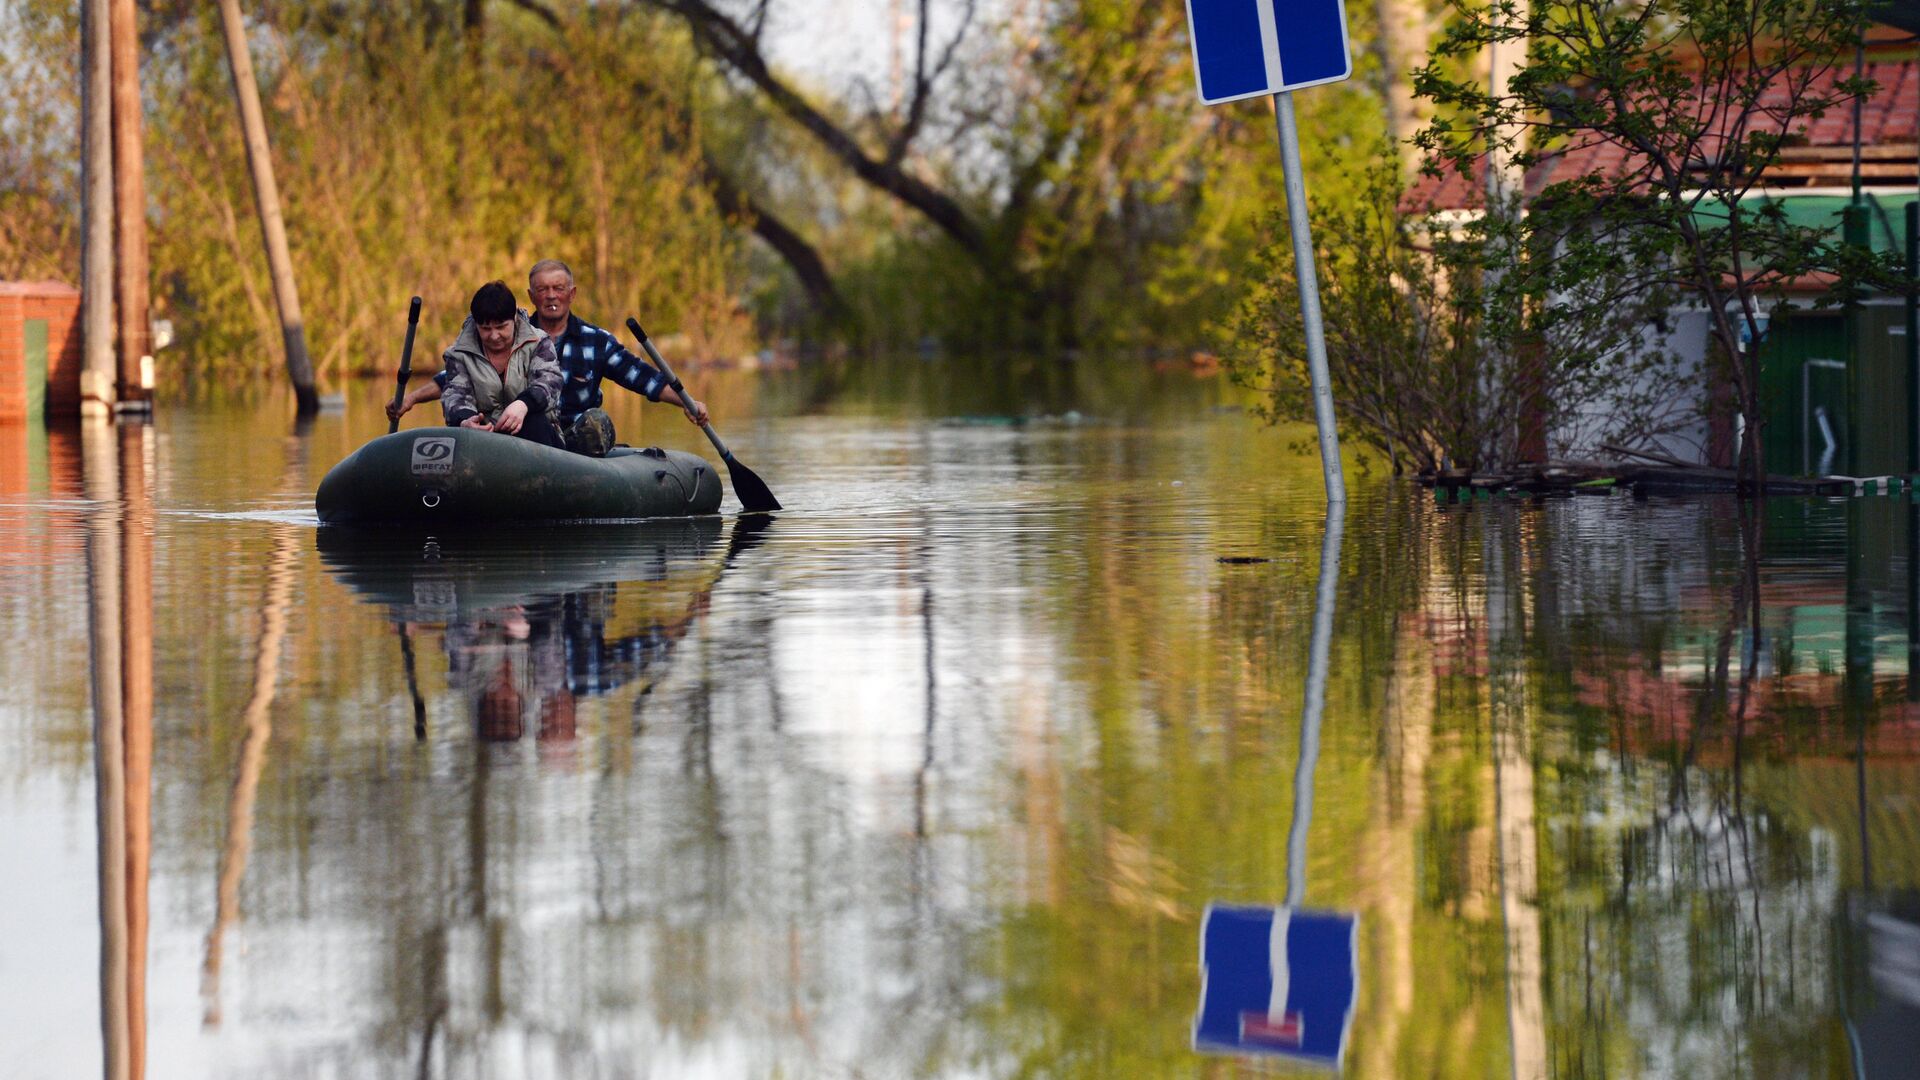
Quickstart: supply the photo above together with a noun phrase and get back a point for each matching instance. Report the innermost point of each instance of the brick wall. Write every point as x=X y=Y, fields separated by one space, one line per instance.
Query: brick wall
x=59 y=305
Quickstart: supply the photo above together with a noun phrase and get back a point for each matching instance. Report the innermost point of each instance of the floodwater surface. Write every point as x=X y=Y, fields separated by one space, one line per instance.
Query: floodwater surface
x=940 y=771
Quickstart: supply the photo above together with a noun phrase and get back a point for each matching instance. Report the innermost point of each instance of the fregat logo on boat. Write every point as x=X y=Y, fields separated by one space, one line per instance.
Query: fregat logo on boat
x=432 y=457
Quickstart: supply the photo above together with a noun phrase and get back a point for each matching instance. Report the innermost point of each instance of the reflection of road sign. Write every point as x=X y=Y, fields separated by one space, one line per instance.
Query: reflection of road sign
x=1244 y=48
x=1276 y=981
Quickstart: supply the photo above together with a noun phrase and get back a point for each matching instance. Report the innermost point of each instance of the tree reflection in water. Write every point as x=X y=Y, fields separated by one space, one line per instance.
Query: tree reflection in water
x=944 y=790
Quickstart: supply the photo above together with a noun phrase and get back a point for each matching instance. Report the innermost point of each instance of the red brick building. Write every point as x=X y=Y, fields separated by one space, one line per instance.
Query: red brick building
x=39 y=351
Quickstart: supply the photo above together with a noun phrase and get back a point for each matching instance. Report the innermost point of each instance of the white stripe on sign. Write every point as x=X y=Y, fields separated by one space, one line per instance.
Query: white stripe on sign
x=1277 y=963
x=1270 y=41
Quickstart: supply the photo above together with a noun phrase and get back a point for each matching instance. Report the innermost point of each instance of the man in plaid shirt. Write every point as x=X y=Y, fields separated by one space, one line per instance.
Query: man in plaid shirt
x=587 y=355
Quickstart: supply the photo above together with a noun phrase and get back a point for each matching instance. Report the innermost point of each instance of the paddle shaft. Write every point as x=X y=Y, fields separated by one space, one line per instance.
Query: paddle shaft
x=413 y=683
x=754 y=495
x=674 y=381
x=406 y=362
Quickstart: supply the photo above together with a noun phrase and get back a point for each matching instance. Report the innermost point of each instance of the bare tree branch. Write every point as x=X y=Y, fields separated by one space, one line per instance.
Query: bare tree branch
x=544 y=13
x=800 y=256
x=739 y=47
x=924 y=80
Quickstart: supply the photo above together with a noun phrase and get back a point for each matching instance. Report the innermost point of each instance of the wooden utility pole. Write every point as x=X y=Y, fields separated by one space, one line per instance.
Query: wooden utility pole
x=266 y=196
x=134 y=390
x=96 y=210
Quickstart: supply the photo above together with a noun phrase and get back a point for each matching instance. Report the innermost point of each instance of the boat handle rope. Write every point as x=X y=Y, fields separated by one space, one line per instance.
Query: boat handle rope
x=660 y=475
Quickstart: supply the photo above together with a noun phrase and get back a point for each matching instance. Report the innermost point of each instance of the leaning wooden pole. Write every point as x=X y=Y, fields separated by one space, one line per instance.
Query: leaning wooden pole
x=134 y=386
x=266 y=193
x=96 y=210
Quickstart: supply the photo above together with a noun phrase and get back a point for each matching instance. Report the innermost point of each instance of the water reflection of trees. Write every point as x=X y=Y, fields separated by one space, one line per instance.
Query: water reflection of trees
x=1694 y=912
x=526 y=622
x=974 y=832
x=1169 y=780
x=120 y=660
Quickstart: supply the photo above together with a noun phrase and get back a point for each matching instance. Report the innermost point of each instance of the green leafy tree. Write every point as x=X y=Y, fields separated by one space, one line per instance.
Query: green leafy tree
x=426 y=159
x=1681 y=106
x=39 y=225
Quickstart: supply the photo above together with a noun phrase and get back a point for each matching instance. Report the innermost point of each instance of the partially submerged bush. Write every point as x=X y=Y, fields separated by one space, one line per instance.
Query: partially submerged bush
x=1451 y=341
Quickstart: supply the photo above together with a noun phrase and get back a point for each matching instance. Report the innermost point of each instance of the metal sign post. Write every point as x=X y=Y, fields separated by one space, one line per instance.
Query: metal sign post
x=1251 y=48
x=1303 y=271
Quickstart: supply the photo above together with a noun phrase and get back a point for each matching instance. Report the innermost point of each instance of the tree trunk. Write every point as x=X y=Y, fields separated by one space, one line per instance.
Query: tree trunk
x=1506 y=190
x=266 y=193
x=741 y=51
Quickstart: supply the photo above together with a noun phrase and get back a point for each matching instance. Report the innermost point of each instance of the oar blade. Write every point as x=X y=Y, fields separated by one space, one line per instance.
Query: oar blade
x=754 y=495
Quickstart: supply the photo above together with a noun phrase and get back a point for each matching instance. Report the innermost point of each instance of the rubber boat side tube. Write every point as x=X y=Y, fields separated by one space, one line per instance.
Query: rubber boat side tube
x=426 y=476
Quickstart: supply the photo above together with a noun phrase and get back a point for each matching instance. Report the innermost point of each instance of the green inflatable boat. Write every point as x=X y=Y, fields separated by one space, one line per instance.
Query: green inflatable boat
x=429 y=476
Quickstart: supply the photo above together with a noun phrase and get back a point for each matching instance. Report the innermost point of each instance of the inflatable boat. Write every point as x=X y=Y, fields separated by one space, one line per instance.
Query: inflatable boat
x=429 y=476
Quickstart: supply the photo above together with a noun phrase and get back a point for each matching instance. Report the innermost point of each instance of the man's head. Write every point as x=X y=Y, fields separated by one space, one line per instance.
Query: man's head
x=493 y=312
x=550 y=287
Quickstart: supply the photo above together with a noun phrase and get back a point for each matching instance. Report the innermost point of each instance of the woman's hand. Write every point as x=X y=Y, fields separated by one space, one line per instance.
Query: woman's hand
x=511 y=418
x=477 y=423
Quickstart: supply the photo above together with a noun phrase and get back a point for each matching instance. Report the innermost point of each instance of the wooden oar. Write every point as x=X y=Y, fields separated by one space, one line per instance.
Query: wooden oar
x=406 y=362
x=753 y=493
x=413 y=682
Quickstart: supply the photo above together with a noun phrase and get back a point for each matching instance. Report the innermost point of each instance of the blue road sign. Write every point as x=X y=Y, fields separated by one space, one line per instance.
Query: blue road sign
x=1245 y=48
x=1276 y=981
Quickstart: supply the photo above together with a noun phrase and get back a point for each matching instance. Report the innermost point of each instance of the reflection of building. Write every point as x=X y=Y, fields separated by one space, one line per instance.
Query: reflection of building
x=1703 y=884
x=1832 y=637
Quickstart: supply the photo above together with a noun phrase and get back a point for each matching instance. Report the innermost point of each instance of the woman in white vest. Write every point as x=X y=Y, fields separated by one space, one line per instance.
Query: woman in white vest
x=502 y=373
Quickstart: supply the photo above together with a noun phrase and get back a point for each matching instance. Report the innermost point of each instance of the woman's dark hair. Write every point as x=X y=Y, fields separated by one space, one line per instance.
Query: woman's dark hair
x=493 y=303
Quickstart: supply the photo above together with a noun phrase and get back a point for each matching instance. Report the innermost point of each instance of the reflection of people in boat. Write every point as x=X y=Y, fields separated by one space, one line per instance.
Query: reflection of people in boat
x=597 y=664
x=527 y=613
x=525 y=667
x=510 y=666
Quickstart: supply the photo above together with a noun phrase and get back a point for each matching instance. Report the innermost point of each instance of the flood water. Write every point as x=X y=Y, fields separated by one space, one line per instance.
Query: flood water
x=939 y=771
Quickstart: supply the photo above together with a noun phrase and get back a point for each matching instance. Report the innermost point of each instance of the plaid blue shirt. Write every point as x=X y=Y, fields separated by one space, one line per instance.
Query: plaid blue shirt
x=587 y=355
